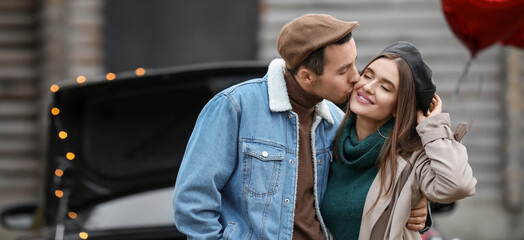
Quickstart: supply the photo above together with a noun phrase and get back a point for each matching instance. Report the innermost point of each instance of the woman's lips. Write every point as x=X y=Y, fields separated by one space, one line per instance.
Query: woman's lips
x=363 y=98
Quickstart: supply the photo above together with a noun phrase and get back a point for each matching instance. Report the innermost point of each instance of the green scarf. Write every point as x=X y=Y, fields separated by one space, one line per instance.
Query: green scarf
x=361 y=154
x=350 y=178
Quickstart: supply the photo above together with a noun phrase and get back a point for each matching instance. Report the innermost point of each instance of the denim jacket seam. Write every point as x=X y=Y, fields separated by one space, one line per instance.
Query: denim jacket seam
x=262 y=141
x=296 y=124
x=233 y=102
x=317 y=125
x=249 y=82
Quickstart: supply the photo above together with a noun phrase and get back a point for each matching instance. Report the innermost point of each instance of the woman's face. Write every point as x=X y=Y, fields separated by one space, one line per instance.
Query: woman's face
x=375 y=96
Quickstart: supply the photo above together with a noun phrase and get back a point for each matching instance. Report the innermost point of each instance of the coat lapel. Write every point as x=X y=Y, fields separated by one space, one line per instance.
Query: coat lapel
x=370 y=218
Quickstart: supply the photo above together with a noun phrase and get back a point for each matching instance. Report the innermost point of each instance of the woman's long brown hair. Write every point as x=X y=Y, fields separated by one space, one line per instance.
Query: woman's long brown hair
x=403 y=140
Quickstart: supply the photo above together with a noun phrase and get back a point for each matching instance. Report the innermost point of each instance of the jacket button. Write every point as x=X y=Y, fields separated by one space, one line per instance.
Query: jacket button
x=286 y=201
x=291 y=161
x=320 y=161
x=265 y=154
x=290 y=116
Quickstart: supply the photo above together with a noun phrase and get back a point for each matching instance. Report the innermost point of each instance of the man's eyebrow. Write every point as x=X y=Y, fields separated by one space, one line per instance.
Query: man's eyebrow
x=344 y=66
x=347 y=65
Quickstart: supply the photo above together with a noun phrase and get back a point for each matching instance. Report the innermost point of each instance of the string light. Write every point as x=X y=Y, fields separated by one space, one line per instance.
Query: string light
x=70 y=156
x=55 y=111
x=59 y=193
x=83 y=235
x=140 y=71
x=110 y=76
x=59 y=172
x=72 y=215
x=54 y=88
x=81 y=79
x=62 y=135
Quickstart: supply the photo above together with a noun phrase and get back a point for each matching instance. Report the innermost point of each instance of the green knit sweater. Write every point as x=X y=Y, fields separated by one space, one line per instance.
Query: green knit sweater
x=350 y=179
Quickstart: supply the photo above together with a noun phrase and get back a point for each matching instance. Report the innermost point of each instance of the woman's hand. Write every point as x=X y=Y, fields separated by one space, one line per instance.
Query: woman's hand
x=435 y=107
x=417 y=219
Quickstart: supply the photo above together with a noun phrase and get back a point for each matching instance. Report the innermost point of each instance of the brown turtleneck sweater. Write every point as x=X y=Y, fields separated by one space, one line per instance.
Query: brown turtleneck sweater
x=306 y=224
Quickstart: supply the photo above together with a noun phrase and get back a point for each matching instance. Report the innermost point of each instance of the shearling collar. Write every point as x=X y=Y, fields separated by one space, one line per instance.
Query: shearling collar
x=278 y=96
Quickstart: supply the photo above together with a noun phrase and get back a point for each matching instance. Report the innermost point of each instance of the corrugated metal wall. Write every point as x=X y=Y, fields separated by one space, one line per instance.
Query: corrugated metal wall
x=18 y=95
x=480 y=101
x=41 y=43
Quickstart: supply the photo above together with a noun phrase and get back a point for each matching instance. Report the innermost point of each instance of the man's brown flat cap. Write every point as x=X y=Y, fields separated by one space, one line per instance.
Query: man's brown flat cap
x=307 y=33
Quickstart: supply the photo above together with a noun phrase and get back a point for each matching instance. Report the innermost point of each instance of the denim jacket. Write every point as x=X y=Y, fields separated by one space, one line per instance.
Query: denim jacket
x=238 y=177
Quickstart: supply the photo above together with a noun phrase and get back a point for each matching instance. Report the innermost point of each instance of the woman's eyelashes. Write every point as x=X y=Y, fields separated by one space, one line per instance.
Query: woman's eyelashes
x=368 y=76
x=385 y=88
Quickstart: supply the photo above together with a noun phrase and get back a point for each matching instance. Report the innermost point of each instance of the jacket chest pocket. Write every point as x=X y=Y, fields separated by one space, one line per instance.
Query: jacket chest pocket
x=261 y=168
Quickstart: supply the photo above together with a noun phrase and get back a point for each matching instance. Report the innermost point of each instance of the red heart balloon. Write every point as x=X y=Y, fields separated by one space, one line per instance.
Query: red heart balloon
x=517 y=39
x=480 y=23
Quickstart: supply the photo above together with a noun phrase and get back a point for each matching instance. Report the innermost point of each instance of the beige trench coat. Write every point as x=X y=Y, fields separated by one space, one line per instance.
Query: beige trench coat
x=440 y=171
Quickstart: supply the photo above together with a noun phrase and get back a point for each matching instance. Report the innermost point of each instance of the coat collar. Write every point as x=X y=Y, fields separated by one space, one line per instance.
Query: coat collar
x=278 y=96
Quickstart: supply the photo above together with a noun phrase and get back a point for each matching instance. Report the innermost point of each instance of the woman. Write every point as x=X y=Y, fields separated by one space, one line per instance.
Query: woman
x=370 y=191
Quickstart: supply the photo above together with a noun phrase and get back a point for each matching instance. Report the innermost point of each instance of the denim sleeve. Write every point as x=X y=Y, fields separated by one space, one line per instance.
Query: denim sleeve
x=209 y=160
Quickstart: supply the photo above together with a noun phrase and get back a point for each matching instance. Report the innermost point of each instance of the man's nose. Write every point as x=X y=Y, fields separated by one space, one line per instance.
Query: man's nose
x=354 y=78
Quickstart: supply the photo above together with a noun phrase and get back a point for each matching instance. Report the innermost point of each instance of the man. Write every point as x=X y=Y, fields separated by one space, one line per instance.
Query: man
x=257 y=162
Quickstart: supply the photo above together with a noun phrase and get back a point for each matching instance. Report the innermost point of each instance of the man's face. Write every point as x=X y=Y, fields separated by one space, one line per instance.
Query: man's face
x=340 y=73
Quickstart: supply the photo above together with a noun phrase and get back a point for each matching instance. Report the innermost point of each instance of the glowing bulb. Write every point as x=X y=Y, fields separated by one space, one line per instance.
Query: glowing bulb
x=72 y=215
x=62 y=135
x=140 y=71
x=83 y=235
x=81 y=79
x=59 y=172
x=59 y=193
x=110 y=76
x=54 y=88
x=70 y=156
x=55 y=111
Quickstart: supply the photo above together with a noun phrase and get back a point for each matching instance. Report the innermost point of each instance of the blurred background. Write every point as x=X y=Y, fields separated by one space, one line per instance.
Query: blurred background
x=46 y=42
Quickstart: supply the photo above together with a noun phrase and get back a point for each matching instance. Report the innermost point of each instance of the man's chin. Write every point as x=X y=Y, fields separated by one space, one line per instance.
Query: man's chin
x=339 y=102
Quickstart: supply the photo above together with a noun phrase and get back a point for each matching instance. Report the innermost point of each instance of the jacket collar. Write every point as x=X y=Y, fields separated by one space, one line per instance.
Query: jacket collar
x=278 y=96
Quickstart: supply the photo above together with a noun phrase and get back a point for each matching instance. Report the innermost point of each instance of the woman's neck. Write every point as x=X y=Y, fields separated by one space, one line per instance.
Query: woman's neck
x=365 y=127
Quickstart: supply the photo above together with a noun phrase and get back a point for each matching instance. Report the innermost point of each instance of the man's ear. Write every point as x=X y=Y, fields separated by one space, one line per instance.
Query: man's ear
x=305 y=76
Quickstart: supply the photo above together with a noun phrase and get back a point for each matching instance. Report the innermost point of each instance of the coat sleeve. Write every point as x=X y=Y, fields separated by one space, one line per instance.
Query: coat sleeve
x=208 y=162
x=442 y=169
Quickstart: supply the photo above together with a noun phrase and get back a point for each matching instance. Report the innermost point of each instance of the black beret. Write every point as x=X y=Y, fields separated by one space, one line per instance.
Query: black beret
x=422 y=74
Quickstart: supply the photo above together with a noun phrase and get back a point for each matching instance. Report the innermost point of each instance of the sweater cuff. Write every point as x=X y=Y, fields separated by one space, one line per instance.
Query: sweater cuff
x=435 y=127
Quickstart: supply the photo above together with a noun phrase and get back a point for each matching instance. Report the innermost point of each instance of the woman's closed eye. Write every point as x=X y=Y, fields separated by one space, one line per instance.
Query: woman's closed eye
x=385 y=88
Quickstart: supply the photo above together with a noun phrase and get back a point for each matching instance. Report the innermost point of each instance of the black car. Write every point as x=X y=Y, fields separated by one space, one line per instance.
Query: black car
x=114 y=149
